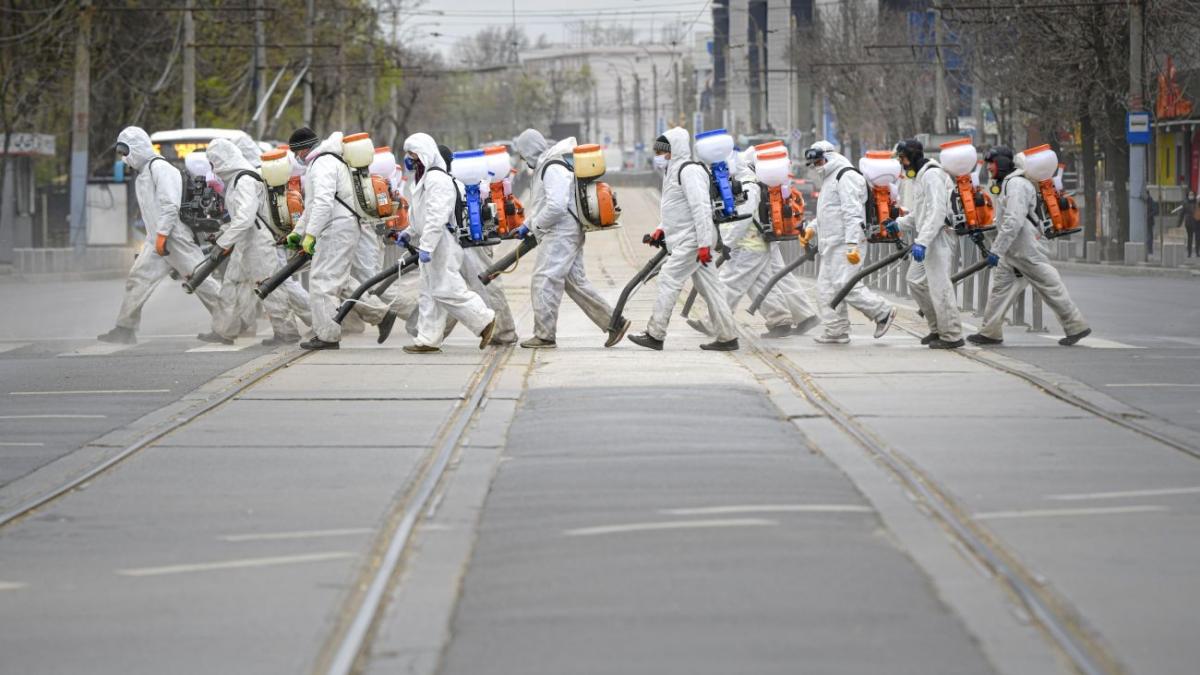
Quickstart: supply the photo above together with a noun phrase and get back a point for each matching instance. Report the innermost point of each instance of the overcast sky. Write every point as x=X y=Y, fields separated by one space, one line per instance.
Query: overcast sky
x=453 y=19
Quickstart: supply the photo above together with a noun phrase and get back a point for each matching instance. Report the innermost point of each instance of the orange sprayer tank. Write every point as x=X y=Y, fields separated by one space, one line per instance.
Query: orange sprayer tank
x=384 y=206
x=780 y=216
x=1059 y=215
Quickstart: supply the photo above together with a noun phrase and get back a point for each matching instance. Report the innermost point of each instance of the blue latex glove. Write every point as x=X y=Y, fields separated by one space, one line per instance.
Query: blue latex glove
x=424 y=256
x=993 y=260
x=521 y=232
x=892 y=228
x=918 y=252
x=402 y=239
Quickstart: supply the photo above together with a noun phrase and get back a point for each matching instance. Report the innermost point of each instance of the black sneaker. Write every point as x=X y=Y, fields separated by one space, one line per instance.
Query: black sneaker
x=928 y=339
x=317 y=343
x=718 y=346
x=1072 y=339
x=119 y=336
x=214 y=338
x=942 y=344
x=646 y=340
x=780 y=331
x=385 y=326
x=806 y=325
x=981 y=339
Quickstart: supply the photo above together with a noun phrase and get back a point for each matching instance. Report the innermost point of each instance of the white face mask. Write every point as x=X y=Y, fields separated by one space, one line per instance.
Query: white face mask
x=660 y=163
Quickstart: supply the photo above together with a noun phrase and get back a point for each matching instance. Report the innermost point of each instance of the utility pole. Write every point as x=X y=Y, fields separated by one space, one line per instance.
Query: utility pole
x=637 y=108
x=260 y=68
x=309 y=22
x=395 y=93
x=80 y=121
x=1137 y=152
x=654 y=74
x=939 y=80
x=189 y=66
x=620 y=114
x=341 y=71
x=678 y=95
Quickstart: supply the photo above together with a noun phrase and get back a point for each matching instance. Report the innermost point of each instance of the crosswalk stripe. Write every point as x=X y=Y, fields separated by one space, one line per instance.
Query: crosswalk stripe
x=98 y=349
x=12 y=346
x=235 y=347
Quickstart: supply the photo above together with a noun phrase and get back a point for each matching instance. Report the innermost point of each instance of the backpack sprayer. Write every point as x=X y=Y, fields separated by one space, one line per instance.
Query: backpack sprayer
x=595 y=200
x=503 y=212
x=471 y=167
x=780 y=214
x=372 y=192
x=971 y=209
x=285 y=203
x=201 y=207
x=1057 y=214
x=384 y=165
x=713 y=148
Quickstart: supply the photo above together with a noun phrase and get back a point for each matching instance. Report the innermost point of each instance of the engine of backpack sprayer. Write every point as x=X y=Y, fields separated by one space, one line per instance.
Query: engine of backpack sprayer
x=713 y=148
x=202 y=207
x=284 y=199
x=882 y=171
x=971 y=209
x=503 y=213
x=595 y=199
x=384 y=166
x=1057 y=213
x=780 y=209
x=471 y=168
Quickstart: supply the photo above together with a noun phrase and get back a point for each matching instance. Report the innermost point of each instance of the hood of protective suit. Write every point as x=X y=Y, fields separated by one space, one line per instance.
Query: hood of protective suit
x=329 y=146
x=249 y=149
x=141 y=150
x=530 y=145
x=834 y=162
x=556 y=151
x=426 y=149
x=681 y=144
x=226 y=159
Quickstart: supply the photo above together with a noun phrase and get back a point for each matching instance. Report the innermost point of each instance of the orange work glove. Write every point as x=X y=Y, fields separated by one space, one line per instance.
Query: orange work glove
x=160 y=245
x=853 y=257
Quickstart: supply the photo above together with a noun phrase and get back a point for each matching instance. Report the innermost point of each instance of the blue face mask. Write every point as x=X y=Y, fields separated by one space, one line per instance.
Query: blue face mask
x=409 y=164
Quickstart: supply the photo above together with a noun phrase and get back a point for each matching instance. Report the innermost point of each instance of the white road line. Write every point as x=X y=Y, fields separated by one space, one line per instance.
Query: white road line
x=16 y=444
x=668 y=525
x=11 y=585
x=1057 y=513
x=221 y=348
x=99 y=349
x=234 y=564
x=52 y=417
x=1095 y=343
x=767 y=508
x=1149 y=385
x=12 y=346
x=73 y=392
x=1161 y=492
x=310 y=534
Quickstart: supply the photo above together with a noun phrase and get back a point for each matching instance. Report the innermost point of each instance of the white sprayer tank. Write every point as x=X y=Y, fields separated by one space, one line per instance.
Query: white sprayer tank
x=713 y=146
x=497 y=162
x=771 y=168
x=276 y=167
x=880 y=168
x=958 y=157
x=1040 y=163
x=469 y=166
x=358 y=150
x=384 y=163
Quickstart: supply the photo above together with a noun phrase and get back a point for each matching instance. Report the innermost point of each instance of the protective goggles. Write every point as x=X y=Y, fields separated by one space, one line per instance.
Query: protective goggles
x=812 y=156
x=121 y=149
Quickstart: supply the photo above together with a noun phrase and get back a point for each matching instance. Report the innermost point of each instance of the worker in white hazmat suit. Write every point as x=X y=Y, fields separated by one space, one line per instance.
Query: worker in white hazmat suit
x=753 y=261
x=443 y=292
x=329 y=231
x=841 y=215
x=1017 y=258
x=236 y=269
x=245 y=198
x=560 y=237
x=169 y=243
x=690 y=235
x=934 y=247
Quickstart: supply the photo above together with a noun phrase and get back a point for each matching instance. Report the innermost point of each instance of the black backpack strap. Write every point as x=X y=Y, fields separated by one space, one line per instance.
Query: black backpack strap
x=843 y=171
x=244 y=172
x=690 y=162
x=547 y=165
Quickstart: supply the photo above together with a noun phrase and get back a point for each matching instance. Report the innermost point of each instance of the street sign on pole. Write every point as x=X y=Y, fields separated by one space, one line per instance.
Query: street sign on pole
x=1137 y=128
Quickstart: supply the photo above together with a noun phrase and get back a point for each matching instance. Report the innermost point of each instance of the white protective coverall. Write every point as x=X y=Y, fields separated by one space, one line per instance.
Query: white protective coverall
x=245 y=198
x=753 y=261
x=329 y=217
x=930 y=282
x=560 y=238
x=159 y=188
x=841 y=212
x=687 y=223
x=443 y=292
x=1018 y=243
x=237 y=269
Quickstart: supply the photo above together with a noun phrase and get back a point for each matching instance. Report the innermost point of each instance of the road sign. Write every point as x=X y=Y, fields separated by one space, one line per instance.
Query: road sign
x=1137 y=128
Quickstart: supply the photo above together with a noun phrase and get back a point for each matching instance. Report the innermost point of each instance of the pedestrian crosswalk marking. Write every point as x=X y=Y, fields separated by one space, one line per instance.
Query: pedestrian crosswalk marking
x=1096 y=343
x=220 y=348
x=98 y=349
x=12 y=346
